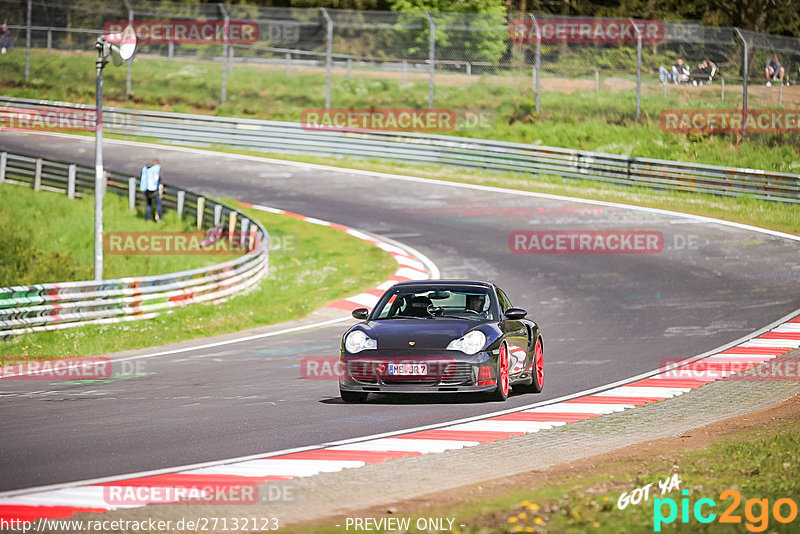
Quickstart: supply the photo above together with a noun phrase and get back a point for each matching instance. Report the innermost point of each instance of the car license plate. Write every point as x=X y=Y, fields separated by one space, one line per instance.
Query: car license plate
x=406 y=369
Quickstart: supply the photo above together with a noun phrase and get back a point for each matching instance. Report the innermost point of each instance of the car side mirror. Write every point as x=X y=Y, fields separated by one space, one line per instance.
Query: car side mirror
x=516 y=313
x=361 y=313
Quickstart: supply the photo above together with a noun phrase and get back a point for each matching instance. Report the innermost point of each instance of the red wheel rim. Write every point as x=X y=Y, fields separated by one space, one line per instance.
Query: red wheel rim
x=539 y=362
x=503 y=370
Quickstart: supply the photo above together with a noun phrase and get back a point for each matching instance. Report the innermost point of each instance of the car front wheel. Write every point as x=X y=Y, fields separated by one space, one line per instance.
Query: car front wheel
x=501 y=391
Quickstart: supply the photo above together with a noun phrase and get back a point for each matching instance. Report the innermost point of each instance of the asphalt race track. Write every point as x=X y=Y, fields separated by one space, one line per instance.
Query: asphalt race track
x=605 y=317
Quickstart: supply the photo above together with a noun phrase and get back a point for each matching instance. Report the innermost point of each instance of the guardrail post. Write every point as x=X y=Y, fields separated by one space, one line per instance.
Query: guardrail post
x=217 y=214
x=245 y=226
x=201 y=206
x=328 y=58
x=3 y=163
x=288 y=64
x=73 y=169
x=132 y=193
x=181 y=201
x=431 y=56
x=170 y=52
x=722 y=94
x=28 y=44
x=596 y=81
x=231 y=226
x=49 y=41
x=37 y=176
x=469 y=73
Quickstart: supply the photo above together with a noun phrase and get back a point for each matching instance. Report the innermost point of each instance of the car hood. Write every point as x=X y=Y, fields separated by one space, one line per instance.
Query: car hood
x=392 y=334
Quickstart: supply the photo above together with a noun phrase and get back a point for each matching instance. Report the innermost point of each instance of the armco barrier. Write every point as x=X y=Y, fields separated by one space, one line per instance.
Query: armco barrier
x=57 y=306
x=291 y=138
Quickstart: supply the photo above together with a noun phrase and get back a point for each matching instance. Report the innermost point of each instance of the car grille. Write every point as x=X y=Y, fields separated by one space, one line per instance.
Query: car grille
x=362 y=371
x=457 y=373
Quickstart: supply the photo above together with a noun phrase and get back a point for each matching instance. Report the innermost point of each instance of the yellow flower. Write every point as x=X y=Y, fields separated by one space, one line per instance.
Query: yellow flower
x=512 y=520
x=522 y=515
x=596 y=524
x=529 y=529
x=524 y=503
x=518 y=529
x=533 y=507
x=605 y=499
x=538 y=521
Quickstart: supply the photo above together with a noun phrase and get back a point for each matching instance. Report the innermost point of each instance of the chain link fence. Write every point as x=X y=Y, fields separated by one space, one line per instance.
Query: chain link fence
x=490 y=69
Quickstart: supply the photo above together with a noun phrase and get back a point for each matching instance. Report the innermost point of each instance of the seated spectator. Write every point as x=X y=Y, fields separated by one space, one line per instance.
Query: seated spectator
x=774 y=71
x=704 y=73
x=678 y=74
x=5 y=38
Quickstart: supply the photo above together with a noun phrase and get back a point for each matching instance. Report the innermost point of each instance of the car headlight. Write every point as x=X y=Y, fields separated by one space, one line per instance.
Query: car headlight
x=357 y=340
x=470 y=343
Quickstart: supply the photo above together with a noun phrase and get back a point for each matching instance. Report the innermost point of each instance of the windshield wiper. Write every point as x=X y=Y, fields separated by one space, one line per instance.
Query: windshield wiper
x=455 y=317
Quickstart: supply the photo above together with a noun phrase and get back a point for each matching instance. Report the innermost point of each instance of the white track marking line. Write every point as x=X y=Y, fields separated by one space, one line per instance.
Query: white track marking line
x=491 y=425
x=293 y=468
x=424 y=446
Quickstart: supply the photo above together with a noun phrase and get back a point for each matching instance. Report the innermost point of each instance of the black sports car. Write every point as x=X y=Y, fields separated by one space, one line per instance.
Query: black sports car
x=441 y=336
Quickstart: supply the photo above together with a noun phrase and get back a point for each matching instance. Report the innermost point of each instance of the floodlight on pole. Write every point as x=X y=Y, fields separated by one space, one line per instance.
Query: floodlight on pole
x=120 y=48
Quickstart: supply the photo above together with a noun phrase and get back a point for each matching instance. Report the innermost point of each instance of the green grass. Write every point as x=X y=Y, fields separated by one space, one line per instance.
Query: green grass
x=760 y=464
x=498 y=108
x=316 y=265
x=45 y=237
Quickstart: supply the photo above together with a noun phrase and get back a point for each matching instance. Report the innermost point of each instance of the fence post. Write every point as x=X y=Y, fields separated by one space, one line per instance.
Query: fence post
x=224 y=95
x=231 y=226
x=349 y=66
x=245 y=226
x=538 y=64
x=638 y=69
x=596 y=81
x=73 y=169
x=744 y=83
x=201 y=206
x=288 y=64
x=665 y=88
x=469 y=73
x=130 y=63
x=49 y=41
x=328 y=58
x=3 y=163
x=37 y=175
x=28 y=44
x=170 y=52
x=132 y=193
x=217 y=214
x=404 y=78
x=780 y=94
x=722 y=95
x=431 y=56
x=181 y=201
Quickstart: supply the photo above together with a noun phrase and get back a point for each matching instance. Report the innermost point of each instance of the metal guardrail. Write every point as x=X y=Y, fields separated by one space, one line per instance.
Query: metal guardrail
x=292 y=138
x=40 y=307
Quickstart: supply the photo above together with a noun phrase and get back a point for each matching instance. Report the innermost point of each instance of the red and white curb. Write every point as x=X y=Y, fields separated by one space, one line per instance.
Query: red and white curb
x=349 y=454
x=409 y=268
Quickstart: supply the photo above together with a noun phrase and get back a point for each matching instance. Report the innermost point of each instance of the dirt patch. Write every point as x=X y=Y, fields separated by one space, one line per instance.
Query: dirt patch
x=644 y=453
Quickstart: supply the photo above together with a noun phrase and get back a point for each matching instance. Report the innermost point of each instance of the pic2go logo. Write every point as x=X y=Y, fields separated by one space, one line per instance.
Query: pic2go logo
x=756 y=511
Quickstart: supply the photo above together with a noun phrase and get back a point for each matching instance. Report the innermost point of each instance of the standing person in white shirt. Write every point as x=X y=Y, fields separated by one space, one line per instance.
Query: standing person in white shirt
x=150 y=183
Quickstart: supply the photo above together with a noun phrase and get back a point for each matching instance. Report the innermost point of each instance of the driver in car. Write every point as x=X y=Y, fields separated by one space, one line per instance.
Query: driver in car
x=475 y=303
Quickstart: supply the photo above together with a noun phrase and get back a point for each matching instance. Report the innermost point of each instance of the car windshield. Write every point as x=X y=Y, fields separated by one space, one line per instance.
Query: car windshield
x=470 y=303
